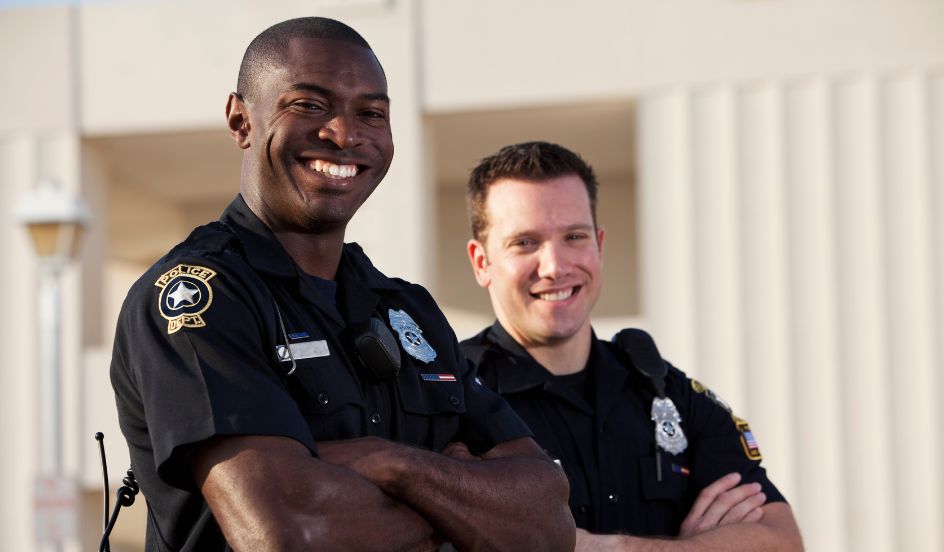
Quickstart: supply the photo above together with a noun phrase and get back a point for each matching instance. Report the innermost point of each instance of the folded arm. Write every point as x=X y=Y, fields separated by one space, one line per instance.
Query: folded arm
x=511 y=498
x=725 y=517
x=270 y=493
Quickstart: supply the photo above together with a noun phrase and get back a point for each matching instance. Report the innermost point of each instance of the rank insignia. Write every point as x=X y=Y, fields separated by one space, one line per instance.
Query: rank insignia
x=411 y=336
x=669 y=434
x=185 y=295
x=751 y=450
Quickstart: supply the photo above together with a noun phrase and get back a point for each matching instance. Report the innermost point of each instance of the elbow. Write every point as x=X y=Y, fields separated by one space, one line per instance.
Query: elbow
x=560 y=531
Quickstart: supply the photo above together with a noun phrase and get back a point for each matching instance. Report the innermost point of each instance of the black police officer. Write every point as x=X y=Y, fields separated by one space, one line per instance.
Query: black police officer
x=276 y=390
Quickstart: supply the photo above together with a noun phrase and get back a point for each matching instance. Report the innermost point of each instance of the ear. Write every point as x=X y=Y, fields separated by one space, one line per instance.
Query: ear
x=237 y=119
x=600 y=233
x=479 y=263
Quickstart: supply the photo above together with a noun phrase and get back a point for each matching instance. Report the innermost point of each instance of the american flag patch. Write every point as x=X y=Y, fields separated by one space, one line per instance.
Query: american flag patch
x=680 y=469
x=438 y=377
x=751 y=450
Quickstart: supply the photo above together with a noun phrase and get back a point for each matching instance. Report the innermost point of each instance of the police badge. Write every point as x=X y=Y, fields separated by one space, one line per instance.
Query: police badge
x=669 y=434
x=411 y=336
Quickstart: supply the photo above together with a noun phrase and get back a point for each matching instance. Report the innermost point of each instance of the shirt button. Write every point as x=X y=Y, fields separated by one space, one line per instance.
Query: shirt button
x=614 y=498
x=454 y=401
x=375 y=418
x=583 y=509
x=323 y=398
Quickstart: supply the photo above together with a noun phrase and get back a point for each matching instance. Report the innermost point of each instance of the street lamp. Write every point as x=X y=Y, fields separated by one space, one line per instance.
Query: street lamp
x=54 y=219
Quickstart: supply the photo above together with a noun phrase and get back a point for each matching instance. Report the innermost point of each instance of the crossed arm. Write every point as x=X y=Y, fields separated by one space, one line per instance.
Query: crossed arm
x=269 y=493
x=725 y=517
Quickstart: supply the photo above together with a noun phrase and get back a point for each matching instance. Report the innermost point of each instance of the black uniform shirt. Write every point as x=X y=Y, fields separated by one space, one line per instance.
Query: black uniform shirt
x=607 y=445
x=207 y=336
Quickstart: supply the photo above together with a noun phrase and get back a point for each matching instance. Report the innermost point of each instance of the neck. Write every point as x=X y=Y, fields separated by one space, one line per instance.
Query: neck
x=564 y=357
x=317 y=255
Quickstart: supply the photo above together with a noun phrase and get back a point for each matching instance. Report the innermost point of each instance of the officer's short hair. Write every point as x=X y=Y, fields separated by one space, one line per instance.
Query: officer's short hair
x=268 y=48
x=531 y=161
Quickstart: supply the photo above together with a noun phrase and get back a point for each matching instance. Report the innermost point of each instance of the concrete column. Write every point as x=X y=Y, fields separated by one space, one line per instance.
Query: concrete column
x=766 y=311
x=912 y=370
x=666 y=225
x=865 y=418
x=717 y=252
x=810 y=211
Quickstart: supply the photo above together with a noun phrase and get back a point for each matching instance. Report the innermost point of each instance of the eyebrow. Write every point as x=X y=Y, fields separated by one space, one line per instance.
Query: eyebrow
x=309 y=87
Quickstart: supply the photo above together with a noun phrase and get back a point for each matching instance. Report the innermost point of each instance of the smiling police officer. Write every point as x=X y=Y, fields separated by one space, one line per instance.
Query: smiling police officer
x=276 y=390
x=649 y=452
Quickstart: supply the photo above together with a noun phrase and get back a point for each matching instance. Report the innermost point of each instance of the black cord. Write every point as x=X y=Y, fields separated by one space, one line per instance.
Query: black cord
x=124 y=497
x=100 y=437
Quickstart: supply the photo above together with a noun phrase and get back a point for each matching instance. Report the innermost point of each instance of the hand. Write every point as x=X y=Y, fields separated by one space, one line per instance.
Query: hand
x=588 y=542
x=724 y=502
x=371 y=457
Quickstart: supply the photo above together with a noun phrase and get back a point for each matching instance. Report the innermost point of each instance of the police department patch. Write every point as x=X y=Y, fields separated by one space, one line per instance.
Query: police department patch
x=185 y=295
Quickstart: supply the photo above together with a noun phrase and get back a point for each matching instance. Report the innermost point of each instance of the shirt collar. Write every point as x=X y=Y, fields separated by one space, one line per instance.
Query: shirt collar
x=524 y=372
x=264 y=252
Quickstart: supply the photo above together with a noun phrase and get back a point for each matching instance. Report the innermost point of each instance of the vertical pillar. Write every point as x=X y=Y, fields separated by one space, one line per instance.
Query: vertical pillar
x=666 y=225
x=863 y=354
x=717 y=262
x=766 y=312
x=911 y=370
x=810 y=208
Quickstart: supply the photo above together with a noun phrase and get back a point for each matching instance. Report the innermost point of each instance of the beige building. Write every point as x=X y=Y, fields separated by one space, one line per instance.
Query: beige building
x=772 y=186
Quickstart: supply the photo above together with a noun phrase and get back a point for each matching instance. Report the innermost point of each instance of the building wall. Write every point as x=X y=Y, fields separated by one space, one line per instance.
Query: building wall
x=787 y=200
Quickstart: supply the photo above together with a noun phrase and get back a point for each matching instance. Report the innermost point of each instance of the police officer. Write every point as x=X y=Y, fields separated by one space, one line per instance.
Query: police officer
x=648 y=451
x=276 y=390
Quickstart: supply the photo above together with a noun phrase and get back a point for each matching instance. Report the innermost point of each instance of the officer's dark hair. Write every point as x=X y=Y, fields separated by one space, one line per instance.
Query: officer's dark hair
x=267 y=50
x=531 y=161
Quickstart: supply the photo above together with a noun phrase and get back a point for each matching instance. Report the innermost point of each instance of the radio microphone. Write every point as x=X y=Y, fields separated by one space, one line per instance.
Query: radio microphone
x=124 y=496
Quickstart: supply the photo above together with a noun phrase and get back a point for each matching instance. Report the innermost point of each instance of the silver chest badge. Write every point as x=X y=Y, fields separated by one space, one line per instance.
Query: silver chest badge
x=411 y=336
x=669 y=434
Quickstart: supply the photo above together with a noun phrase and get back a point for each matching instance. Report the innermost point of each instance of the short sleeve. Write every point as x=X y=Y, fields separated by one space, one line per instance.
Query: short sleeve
x=193 y=362
x=488 y=420
x=722 y=442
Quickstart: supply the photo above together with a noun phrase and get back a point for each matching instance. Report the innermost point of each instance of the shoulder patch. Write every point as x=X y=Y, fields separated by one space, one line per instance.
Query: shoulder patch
x=751 y=450
x=698 y=387
x=185 y=295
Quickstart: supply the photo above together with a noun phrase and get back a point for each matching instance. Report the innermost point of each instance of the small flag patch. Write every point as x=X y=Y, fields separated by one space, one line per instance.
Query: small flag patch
x=438 y=377
x=680 y=469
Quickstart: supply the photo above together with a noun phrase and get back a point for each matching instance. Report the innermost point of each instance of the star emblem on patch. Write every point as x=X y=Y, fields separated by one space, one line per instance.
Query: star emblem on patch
x=185 y=295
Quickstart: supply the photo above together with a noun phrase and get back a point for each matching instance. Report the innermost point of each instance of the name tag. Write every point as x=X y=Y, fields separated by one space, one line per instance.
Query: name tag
x=303 y=350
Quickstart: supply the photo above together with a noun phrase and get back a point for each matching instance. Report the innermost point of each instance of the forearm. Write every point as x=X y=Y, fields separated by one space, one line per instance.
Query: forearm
x=301 y=503
x=777 y=532
x=512 y=500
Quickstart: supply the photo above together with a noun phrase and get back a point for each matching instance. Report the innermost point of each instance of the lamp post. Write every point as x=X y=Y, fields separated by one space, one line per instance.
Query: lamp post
x=54 y=219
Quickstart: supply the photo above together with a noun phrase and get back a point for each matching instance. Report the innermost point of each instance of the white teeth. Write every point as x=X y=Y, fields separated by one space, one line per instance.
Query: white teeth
x=330 y=169
x=558 y=296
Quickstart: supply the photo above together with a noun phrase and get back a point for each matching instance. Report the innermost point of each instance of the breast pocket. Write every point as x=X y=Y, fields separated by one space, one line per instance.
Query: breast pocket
x=666 y=499
x=432 y=404
x=329 y=399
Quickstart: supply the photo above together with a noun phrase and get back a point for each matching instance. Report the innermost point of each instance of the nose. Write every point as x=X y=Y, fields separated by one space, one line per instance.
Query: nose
x=341 y=130
x=552 y=261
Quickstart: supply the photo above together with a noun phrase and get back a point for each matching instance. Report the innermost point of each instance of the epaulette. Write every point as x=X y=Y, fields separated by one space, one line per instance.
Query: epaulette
x=214 y=237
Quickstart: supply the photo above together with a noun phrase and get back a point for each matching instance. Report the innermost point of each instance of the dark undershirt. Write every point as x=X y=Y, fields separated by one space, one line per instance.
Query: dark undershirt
x=327 y=288
x=578 y=383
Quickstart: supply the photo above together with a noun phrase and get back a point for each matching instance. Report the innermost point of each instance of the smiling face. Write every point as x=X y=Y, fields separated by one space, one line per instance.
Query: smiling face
x=541 y=259
x=317 y=133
